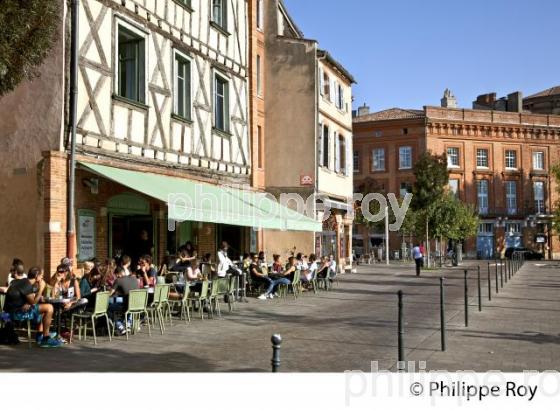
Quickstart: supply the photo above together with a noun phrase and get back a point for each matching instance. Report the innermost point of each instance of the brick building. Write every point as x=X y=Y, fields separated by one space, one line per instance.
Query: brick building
x=498 y=161
x=163 y=108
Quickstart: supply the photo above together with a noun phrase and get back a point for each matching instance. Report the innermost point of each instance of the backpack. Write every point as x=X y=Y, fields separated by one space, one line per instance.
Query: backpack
x=8 y=335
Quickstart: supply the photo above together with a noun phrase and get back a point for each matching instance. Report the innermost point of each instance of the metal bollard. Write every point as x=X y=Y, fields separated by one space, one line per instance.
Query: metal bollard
x=501 y=274
x=442 y=312
x=489 y=284
x=276 y=342
x=506 y=270
x=400 y=332
x=479 y=290
x=497 y=282
x=466 y=300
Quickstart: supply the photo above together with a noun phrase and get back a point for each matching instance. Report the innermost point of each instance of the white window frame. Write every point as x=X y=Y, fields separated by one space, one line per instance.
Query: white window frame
x=450 y=163
x=141 y=33
x=480 y=158
x=508 y=159
x=482 y=196
x=539 y=197
x=175 y=83
x=356 y=161
x=511 y=197
x=541 y=157
x=227 y=118
x=376 y=158
x=224 y=14
x=403 y=156
x=513 y=228
x=260 y=15
x=259 y=71
x=452 y=188
x=325 y=139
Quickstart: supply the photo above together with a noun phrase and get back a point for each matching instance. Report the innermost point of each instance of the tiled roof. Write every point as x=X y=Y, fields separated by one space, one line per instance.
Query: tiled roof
x=391 y=114
x=546 y=93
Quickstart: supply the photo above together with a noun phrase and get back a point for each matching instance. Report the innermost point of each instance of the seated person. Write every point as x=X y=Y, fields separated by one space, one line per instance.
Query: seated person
x=301 y=262
x=332 y=266
x=146 y=272
x=247 y=261
x=183 y=263
x=121 y=289
x=107 y=270
x=16 y=269
x=277 y=264
x=307 y=275
x=125 y=263
x=262 y=258
x=207 y=266
x=192 y=274
x=22 y=303
x=323 y=269
x=285 y=277
x=86 y=291
x=258 y=277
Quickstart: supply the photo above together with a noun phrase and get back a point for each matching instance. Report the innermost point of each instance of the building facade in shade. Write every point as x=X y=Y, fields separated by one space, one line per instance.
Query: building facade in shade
x=163 y=106
x=544 y=102
x=499 y=162
x=308 y=97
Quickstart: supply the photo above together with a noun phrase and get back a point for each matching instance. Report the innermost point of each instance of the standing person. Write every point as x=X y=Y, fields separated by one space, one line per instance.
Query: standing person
x=142 y=246
x=418 y=258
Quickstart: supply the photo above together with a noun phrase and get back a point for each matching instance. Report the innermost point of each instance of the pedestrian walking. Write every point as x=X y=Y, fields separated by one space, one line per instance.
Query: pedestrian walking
x=418 y=258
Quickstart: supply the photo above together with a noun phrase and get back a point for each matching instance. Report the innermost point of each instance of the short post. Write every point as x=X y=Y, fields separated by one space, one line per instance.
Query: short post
x=276 y=342
x=479 y=290
x=400 y=333
x=497 y=281
x=489 y=284
x=505 y=270
x=501 y=274
x=442 y=312
x=466 y=300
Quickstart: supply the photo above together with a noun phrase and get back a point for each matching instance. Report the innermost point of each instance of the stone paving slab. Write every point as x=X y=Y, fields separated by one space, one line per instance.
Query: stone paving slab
x=345 y=329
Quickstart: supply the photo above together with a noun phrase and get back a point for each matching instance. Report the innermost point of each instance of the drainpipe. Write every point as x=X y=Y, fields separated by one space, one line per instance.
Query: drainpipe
x=70 y=221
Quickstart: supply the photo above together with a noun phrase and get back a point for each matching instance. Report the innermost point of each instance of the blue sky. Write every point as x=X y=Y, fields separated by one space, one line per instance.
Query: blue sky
x=405 y=53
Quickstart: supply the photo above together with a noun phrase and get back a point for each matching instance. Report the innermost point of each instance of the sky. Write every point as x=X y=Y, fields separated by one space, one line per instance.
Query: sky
x=405 y=53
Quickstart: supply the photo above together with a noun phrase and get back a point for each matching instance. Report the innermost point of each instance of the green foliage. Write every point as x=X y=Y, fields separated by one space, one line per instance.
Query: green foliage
x=27 y=33
x=452 y=219
x=556 y=214
x=432 y=178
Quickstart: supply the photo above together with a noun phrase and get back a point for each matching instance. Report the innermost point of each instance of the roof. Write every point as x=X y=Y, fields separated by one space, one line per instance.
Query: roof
x=546 y=93
x=391 y=114
x=290 y=19
x=329 y=58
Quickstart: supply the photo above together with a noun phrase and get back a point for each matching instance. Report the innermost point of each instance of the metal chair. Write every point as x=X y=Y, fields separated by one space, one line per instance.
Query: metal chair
x=99 y=311
x=137 y=306
x=201 y=298
x=182 y=305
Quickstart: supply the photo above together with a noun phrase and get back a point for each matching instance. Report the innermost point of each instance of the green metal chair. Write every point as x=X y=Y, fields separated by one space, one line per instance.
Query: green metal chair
x=220 y=287
x=201 y=298
x=182 y=305
x=99 y=311
x=2 y=301
x=295 y=285
x=312 y=282
x=137 y=306
x=231 y=290
x=155 y=310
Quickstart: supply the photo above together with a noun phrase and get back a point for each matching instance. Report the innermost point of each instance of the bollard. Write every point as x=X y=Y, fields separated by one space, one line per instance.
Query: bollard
x=501 y=274
x=497 y=282
x=505 y=270
x=489 y=284
x=276 y=342
x=400 y=332
x=466 y=300
x=442 y=312
x=479 y=290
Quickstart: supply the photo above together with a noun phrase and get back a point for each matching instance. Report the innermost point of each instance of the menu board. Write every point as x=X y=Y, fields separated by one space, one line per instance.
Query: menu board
x=86 y=235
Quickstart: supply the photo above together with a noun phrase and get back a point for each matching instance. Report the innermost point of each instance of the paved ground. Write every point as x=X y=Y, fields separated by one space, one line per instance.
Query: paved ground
x=344 y=329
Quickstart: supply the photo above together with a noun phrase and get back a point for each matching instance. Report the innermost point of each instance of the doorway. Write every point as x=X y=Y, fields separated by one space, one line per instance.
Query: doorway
x=126 y=236
x=235 y=237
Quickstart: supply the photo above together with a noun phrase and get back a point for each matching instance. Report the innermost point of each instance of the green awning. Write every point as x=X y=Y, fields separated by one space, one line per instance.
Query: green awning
x=195 y=201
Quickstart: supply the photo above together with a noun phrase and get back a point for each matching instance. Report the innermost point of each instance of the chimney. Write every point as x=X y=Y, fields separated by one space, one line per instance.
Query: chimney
x=485 y=102
x=363 y=110
x=448 y=100
x=515 y=102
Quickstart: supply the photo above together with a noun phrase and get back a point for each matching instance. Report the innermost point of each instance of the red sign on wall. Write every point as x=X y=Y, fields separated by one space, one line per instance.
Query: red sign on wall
x=306 y=180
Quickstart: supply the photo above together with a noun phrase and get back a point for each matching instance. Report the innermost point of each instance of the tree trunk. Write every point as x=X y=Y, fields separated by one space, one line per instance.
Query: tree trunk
x=427 y=244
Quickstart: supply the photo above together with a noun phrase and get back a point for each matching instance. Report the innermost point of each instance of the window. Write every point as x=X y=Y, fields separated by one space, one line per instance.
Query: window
x=538 y=192
x=185 y=3
x=378 y=159
x=341 y=154
x=513 y=228
x=131 y=65
x=182 y=95
x=485 y=228
x=454 y=187
x=453 y=157
x=405 y=131
x=221 y=103
x=538 y=160
x=356 y=162
x=259 y=76
x=482 y=194
x=260 y=14
x=378 y=134
x=511 y=197
x=405 y=157
x=511 y=159
x=339 y=98
x=219 y=13
x=326 y=145
x=482 y=158
x=326 y=85
x=260 y=142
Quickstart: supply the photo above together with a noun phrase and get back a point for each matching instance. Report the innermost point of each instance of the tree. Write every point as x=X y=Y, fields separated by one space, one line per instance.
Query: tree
x=429 y=188
x=556 y=213
x=27 y=34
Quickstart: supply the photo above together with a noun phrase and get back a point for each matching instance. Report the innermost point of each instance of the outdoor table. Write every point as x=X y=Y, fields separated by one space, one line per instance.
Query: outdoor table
x=58 y=307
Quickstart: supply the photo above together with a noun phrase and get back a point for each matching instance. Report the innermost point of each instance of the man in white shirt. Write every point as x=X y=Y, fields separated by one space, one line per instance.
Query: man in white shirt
x=418 y=258
x=225 y=264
